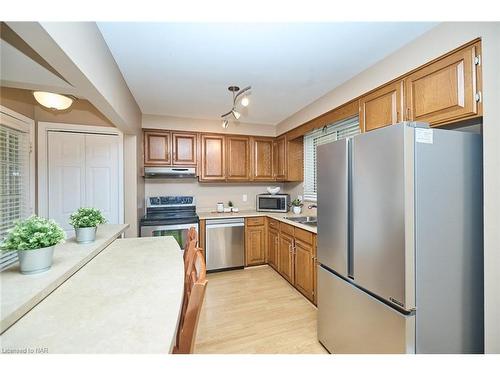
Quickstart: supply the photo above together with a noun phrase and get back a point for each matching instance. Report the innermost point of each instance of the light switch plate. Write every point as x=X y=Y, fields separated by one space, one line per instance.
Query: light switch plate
x=245 y=197
x=299 y=197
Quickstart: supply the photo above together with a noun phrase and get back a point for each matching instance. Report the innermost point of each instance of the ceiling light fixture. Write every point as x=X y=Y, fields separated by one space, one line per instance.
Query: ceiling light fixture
x=245 y=101
x=53 y=101
x=236 y=114
x=237 y=94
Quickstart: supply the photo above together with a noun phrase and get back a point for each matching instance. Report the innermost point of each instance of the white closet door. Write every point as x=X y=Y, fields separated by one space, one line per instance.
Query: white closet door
x=66 y=175
x=101 y=174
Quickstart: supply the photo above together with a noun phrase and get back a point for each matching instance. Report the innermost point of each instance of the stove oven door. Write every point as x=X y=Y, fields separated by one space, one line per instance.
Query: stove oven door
x=178 y=231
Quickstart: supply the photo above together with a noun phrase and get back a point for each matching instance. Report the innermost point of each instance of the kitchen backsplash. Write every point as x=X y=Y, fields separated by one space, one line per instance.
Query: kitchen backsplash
x=208 y=194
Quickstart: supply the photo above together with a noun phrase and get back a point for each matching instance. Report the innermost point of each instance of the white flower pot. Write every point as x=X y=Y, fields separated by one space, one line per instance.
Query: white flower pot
x=36 y=260
x=297 y=209
x=85 y=235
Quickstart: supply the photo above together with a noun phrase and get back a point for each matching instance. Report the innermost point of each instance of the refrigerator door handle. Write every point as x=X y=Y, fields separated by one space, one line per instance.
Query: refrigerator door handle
x=350 y=211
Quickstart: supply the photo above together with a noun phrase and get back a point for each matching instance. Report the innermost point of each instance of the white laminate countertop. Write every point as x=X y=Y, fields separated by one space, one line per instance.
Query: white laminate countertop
x=20 y=293
x=280 y=216
x=125 y=300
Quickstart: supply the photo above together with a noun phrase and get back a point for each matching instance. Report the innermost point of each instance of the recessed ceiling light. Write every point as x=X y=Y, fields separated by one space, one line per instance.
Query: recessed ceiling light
x=53 y=101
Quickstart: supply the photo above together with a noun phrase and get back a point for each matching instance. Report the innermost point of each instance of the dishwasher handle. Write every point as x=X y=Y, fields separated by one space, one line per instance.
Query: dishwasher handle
x=225 y=223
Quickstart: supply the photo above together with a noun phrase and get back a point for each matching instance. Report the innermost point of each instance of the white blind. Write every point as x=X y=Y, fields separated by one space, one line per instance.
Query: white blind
x=339 y=130
x=14 y=183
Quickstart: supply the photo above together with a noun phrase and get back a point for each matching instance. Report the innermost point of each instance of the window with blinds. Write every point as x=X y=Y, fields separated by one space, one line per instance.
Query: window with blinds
x=14 y=183
x=339 y=130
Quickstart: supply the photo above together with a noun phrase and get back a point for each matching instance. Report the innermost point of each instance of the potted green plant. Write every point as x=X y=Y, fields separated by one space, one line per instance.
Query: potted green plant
x=85 y=221
x=297 y=206
x=34 y=239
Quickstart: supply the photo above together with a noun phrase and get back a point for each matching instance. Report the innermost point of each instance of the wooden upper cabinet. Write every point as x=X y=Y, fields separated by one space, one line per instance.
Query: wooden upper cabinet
x=157 y=148
x=262 y=159
x=279 y=158
x=238 y=158
x=445 y=90
x=213 y=161
x=184 y=148
x=381 y=107
x=294 y=160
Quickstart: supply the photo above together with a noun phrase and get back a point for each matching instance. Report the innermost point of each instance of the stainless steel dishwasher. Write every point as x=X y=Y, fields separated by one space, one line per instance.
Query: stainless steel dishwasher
x=225 y=243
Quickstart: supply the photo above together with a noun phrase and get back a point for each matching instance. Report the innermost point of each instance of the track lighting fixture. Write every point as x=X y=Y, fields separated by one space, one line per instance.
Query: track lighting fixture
x=239 y=97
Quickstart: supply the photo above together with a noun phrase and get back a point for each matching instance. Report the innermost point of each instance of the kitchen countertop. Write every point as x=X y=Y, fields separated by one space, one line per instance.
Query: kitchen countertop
x=280 y=216
x=125 y=300
x=20 y=293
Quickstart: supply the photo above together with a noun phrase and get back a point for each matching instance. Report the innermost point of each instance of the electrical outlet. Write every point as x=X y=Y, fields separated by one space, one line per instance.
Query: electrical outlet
x=245 y=197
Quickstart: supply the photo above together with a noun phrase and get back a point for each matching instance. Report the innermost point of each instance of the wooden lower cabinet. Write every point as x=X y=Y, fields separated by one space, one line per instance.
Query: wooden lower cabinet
x=255 y=243
x=304 y=268
x=201 y=235
x=285 y=266
x=272 y=248
x=289 y=250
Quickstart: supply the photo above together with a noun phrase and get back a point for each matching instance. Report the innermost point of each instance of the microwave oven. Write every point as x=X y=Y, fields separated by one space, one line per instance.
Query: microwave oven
x=273 y=203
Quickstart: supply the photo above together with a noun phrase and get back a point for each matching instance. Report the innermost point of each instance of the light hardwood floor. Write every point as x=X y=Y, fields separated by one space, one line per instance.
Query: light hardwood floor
x=255 y=311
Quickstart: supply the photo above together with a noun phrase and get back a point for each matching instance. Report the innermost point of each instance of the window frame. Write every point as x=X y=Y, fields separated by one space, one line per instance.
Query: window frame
x=335 y=127
x=24 y=124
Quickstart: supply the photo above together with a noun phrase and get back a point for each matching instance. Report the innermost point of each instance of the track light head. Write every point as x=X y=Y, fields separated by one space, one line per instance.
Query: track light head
x=236 y=114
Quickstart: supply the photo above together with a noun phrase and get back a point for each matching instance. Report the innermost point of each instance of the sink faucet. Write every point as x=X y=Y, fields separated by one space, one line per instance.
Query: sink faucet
x=312 y=206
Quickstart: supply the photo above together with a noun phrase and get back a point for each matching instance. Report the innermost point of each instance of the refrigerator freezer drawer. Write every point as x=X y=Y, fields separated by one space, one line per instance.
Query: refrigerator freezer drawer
x=353 y=322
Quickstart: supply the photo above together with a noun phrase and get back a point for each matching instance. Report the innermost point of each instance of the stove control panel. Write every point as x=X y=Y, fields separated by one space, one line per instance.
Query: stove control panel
x=170 y=201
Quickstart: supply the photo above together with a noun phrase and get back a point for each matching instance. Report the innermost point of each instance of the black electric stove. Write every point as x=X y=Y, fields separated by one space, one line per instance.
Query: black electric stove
x=169 y=215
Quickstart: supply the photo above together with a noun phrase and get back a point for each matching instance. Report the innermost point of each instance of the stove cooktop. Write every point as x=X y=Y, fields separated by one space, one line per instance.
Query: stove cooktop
x=170 y=210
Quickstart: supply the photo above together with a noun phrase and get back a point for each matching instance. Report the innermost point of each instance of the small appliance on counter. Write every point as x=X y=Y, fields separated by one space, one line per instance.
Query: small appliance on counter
x=273 y=202
x=169 y=216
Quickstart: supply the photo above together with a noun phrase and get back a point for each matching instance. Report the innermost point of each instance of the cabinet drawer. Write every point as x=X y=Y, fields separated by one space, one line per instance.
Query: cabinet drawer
x=255 y=221
x=274 y=224
x=304 y=235
x=288 y=229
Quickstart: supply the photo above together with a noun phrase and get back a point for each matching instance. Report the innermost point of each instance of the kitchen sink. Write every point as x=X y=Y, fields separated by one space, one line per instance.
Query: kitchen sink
x=307 y=220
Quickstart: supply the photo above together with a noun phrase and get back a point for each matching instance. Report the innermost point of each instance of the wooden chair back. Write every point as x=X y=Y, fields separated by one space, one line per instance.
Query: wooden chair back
x=194 y=293
x=191 y=236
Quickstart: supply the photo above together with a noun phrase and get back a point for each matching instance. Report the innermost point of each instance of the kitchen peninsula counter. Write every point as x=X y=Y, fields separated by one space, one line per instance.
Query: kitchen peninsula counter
x=127 y=299
x=20 y=293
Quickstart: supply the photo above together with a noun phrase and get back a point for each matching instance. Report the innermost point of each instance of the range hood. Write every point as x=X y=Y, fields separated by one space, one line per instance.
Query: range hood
x=169 y=172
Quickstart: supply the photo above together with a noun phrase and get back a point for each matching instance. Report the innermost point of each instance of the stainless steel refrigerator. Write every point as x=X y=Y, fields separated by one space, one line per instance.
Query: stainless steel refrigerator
x=400 y=242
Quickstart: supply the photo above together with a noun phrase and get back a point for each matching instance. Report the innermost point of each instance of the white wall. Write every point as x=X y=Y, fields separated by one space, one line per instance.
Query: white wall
x=439 y=40
x=201 y=125
x=208 y=194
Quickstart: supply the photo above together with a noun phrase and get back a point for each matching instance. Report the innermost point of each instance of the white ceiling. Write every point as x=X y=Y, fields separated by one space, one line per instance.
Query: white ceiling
x=184 y=70
x=20 y=71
